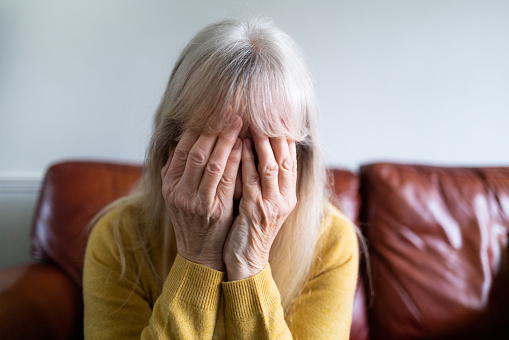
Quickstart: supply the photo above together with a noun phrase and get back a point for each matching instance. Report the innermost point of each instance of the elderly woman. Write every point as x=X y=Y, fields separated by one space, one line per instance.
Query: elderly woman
x=229 y=233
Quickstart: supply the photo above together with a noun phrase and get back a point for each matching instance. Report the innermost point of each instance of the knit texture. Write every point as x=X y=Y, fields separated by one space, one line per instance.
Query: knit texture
x=196 y=302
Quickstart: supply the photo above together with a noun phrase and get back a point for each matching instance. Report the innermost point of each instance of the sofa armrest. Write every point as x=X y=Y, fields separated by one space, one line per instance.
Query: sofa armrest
x=38 y=301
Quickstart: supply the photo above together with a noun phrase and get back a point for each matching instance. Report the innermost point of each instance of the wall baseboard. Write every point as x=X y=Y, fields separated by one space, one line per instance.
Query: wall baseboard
x=19 y=185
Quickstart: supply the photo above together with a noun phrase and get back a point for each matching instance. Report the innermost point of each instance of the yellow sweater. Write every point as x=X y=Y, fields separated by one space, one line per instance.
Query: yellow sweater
x=196 y=302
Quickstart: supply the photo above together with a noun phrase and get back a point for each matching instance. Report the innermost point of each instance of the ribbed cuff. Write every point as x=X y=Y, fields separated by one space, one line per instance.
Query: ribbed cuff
x=194 y=284
x=250 y=296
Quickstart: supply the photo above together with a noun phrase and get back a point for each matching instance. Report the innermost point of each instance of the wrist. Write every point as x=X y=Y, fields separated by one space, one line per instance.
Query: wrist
x=241 y=271
x=205 y=262
x=239 y=274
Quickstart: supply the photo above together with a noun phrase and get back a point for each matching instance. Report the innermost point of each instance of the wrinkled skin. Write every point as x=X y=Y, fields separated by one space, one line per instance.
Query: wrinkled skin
x=201 y=180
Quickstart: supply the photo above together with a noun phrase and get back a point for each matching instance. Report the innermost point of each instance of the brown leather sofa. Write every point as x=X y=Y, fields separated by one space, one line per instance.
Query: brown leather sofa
x=437 y=237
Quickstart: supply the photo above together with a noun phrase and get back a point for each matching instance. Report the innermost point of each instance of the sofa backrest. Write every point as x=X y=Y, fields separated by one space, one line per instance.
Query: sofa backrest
x=438 y=240
x=439 y=250
x=71 y=195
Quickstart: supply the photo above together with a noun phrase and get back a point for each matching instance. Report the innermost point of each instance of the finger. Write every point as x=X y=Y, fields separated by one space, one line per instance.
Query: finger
x=226 y=186
x=285 y=163
x=197 y=159
x=267 y=166
x=293 y=153
x=165 y=168
x=178 y=162
x=217 y=162
x=250 y=178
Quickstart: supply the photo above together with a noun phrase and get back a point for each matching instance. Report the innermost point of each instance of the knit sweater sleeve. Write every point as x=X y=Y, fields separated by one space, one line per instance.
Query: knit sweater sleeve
x=119 y=308
x=323 y=310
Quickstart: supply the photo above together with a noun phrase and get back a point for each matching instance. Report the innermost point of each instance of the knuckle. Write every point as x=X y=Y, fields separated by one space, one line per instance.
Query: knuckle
x=180 y=155
x=197 y=157
x=204 y=198
x=270 y=169
x=200 y=210
x=287 y=164
x=198 y=205
x=166 y=186
x=228 y=181
x=180 y=201
x=214 y=168
x=186 y=204
x=217 y=215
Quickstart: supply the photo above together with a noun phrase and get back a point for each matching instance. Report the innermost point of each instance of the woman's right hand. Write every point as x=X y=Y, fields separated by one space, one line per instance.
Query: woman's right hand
x=198 y=182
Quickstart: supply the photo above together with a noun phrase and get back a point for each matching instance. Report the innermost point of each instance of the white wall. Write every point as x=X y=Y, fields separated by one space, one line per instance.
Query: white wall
x=410 y=81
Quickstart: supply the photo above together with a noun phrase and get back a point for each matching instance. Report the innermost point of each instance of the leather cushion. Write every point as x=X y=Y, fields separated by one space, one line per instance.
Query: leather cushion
x=439 y=250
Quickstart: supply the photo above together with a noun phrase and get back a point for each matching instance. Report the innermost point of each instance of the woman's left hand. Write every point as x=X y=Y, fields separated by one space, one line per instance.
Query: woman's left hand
x=268 y=196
